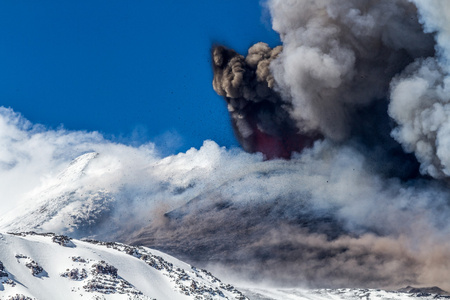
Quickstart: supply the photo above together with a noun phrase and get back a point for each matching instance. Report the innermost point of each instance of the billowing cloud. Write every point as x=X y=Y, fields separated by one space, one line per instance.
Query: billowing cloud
x=420 y=97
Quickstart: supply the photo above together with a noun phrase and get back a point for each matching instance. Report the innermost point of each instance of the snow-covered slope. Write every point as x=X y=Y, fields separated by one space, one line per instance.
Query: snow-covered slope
x=48 y=266
x=60 y=203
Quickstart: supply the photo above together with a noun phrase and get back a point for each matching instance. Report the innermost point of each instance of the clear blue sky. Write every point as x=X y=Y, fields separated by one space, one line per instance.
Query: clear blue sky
x=120 y=67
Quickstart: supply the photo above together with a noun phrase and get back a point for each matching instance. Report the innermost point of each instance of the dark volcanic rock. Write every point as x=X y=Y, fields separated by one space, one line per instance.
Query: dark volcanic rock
x=35 y=268
x=62 y=240
x=104 y=268
x=2 y=270
x=75 y=274
x=424 y=291
x=20 y=297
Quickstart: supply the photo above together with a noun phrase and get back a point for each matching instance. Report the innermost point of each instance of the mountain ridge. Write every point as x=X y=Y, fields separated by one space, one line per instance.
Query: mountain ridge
x=49 y=266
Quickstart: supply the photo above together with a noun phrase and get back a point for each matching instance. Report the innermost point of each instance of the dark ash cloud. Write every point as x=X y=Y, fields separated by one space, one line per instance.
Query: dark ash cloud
x=259 y=116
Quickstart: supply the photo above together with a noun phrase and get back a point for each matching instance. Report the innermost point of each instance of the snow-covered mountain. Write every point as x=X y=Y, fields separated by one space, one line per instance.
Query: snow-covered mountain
x=48 y=266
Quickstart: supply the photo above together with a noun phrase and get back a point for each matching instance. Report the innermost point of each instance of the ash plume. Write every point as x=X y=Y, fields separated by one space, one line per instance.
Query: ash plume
x=260 y=118
x=329 y=78
x=339 y=57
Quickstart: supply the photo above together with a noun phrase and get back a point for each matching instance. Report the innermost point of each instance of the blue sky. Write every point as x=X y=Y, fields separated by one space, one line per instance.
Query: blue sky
x=135 y=71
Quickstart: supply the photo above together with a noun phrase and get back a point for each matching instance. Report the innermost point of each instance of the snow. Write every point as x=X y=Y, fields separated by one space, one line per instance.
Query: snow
x=89 y=269
x=55 y=200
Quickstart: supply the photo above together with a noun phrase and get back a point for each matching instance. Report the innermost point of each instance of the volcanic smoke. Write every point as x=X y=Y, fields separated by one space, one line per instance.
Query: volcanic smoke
x=260 y=118
x=332 y=72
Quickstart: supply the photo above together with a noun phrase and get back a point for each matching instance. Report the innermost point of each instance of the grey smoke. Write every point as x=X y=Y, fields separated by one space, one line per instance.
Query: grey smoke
x=259 y=116
x=233 y=80
x=242 y=80
x=330 y=77
x=339 y=57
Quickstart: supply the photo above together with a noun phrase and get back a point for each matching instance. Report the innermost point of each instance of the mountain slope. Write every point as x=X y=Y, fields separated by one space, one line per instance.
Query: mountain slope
x=47 y=266
x=60 y=203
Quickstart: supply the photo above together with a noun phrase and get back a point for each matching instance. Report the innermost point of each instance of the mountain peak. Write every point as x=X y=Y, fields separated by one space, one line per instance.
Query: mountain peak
x=77 y=166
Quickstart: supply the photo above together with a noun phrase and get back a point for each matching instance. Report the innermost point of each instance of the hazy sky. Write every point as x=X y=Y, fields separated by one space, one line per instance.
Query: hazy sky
x=132 y=70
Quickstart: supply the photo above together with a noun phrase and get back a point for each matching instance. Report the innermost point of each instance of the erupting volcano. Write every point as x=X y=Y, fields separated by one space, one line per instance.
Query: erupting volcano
x=356 y=102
